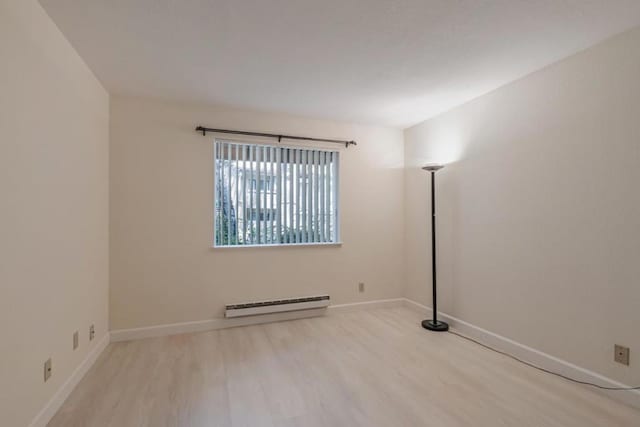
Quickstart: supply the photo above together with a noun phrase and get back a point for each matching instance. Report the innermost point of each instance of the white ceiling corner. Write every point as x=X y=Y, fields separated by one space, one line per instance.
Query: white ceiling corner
x=392 y=63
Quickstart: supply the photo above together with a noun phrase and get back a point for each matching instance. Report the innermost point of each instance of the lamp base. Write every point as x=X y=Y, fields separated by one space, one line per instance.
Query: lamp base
x=436 y=326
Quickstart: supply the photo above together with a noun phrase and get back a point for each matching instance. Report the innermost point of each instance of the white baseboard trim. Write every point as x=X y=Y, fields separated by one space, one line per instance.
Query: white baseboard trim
x=50 y=409
x=531 y=355
x=209 y=325
x=221 y=323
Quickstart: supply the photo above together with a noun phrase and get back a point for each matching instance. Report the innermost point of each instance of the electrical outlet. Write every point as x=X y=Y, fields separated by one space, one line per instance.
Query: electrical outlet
x=76 y=338
x=47 y=369
x=621 y=354
x=361 y=287
x=92 y=332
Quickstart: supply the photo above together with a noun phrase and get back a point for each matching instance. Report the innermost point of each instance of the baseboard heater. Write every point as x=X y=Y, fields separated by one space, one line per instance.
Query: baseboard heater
x=276 y=306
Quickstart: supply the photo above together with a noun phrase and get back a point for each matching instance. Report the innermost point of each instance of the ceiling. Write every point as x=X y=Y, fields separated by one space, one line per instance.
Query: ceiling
x=387 y=62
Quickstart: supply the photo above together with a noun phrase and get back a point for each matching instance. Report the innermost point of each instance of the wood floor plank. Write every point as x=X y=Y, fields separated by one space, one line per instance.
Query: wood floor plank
x=368 y=368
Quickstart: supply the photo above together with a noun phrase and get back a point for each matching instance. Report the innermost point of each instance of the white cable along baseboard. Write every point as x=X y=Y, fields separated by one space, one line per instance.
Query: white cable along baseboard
x=531 y=355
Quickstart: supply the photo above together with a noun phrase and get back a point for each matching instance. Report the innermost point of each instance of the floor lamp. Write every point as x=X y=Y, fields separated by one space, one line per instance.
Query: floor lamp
x=434 y=324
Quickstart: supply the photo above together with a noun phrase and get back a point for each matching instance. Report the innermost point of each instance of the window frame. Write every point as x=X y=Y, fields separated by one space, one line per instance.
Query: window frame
x=337 y=209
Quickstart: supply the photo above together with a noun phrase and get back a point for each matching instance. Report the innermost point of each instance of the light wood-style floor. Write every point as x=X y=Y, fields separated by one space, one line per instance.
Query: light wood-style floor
x=366 y=368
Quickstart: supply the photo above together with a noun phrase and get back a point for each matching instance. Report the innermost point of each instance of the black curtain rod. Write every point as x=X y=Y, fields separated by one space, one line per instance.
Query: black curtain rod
x=204 y=131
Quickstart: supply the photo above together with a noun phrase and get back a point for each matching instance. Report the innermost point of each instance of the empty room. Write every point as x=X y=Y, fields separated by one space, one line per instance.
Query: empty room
x=305 y=213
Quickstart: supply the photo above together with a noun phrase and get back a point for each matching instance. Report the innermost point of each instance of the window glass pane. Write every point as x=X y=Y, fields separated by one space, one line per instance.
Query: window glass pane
x=266 y=195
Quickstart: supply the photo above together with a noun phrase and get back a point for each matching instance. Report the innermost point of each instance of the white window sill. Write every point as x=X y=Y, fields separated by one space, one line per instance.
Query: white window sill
x=282 y=245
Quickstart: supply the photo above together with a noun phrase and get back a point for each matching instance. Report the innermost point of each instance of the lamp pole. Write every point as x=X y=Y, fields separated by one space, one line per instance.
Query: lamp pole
x=434 y=324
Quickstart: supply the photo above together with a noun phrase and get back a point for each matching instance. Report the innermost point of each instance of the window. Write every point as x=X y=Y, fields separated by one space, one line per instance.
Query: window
x=268 y=195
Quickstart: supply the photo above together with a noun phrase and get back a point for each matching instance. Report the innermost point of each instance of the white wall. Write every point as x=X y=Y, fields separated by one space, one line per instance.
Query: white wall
x=163 y=269
x=53 y=208
x=539 y=214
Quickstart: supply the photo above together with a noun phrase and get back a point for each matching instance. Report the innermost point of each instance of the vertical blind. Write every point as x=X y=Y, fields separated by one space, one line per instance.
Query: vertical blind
x=267 y=195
